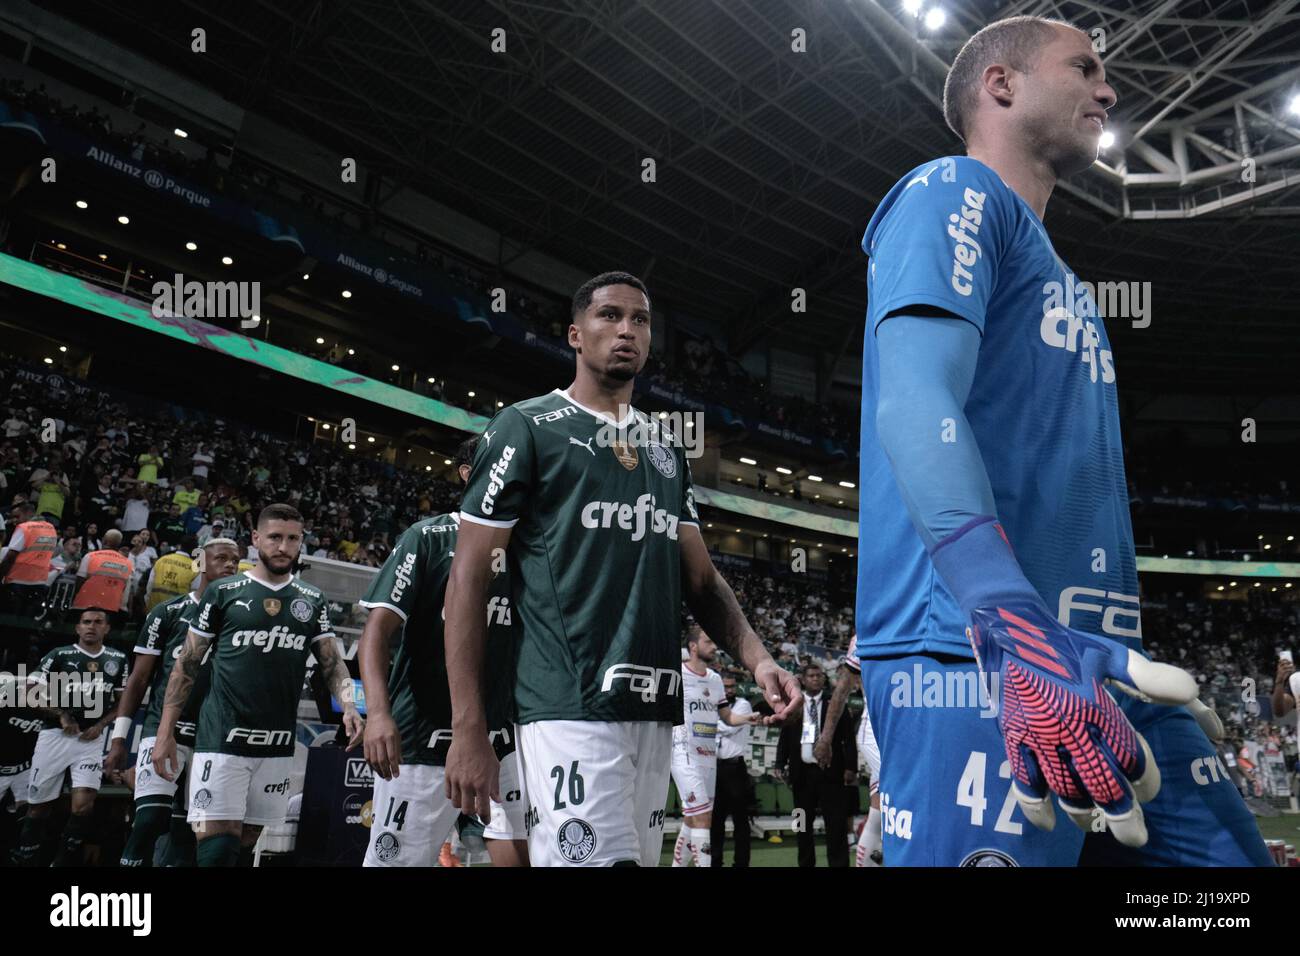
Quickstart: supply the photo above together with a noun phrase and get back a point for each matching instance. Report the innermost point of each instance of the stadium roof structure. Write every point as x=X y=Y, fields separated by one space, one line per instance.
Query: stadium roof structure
x=769 y=161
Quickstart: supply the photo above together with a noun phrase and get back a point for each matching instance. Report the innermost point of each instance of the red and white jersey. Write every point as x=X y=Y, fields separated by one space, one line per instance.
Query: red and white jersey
x=701 y=695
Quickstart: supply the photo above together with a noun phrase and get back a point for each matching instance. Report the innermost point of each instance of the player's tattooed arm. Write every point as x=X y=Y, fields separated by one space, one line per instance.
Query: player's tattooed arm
x=335 y=672
x=183 y=675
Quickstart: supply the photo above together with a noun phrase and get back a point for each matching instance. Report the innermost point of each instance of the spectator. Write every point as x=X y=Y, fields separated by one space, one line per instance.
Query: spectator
x=136 y=516
x=67 y=561
x=90 y=541
x=170 y=528
x=50 y=485
x=814 y=787
x=202 y=460
x=149 y=463
x=186 y=495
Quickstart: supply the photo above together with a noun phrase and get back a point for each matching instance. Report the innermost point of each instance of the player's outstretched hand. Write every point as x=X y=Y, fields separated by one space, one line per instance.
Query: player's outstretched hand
x=383 y=745
x=472 y=774
x=1064 y=733
x=355 y=725
x=780 y=689
x=164 y=757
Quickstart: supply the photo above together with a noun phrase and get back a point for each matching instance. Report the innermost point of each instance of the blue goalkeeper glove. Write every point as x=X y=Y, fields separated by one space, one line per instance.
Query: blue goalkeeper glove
x=1064 y=732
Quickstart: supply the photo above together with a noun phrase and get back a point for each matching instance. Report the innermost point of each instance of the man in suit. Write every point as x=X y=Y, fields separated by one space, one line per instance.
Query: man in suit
x=813 y=785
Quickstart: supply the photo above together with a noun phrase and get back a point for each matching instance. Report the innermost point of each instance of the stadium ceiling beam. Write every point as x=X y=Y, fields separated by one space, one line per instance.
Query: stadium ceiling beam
x=1218 y=63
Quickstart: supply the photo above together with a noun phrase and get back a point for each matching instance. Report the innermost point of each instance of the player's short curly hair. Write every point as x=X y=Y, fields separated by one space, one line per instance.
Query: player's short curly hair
x=1014 y=41
x=465 y=453
x=582 y=298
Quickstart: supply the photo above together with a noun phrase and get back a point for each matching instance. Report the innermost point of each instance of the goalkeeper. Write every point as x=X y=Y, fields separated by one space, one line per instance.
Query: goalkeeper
x=994 y=512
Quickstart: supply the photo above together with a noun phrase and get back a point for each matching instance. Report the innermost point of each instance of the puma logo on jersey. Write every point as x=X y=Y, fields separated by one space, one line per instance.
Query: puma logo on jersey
x=584 y=444
x=246 y=605
x=923 y=178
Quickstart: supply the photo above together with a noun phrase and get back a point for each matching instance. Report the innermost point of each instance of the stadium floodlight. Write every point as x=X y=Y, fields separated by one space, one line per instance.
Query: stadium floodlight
x=82 y=204
x=689 y=423
x=847 y=484
x=935 y=18
x=1267 y=547
x=352 y=351
x=470 y=394
x=913 y=7
x=396 y=367
x=1295 y=104
x=737 y=531
x=227 y=261
x=1107 y=140
x=748 y=461
x=192 y=246
x=124 y=220
x=710 y=524
x=1290 y=537
x=663 y=414
x=352 y=447
x=501 y=404
x=59 y=245
x=370 y=438
x=446 y=461
x=103 y=256
x=430 y=379
x=306 y=276
x=48 y=360
x=325 y=426
x=814 y=477
x=1288 y=584
x=428 y=467
x=180 y=133
x=1232 y=584
x=1220 y=587
x=63 y=348
x=781 y=469
x=1257 y=583
x=347 y=293
x=319 y=340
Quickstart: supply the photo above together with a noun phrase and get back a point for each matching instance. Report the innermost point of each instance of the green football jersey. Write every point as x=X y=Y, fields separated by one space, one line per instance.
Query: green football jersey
x=412 y=584
x=81 y=683
x=165 y=629
x=261 y=636
x=594 y=556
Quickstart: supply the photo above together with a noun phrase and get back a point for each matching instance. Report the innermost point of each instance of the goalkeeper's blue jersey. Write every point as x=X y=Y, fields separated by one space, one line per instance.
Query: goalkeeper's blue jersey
x=952 y=235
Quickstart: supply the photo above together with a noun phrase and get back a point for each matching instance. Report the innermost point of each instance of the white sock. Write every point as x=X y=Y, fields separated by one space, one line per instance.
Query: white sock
x=870 y=841
x=681 y=849
x=701 y=843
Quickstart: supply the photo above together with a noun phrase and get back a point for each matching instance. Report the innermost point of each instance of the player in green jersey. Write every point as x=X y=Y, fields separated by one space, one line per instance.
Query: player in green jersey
x=73 y=691
x=161 y=639
x=591 y=502
x=408 y=707
x=261 y=624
